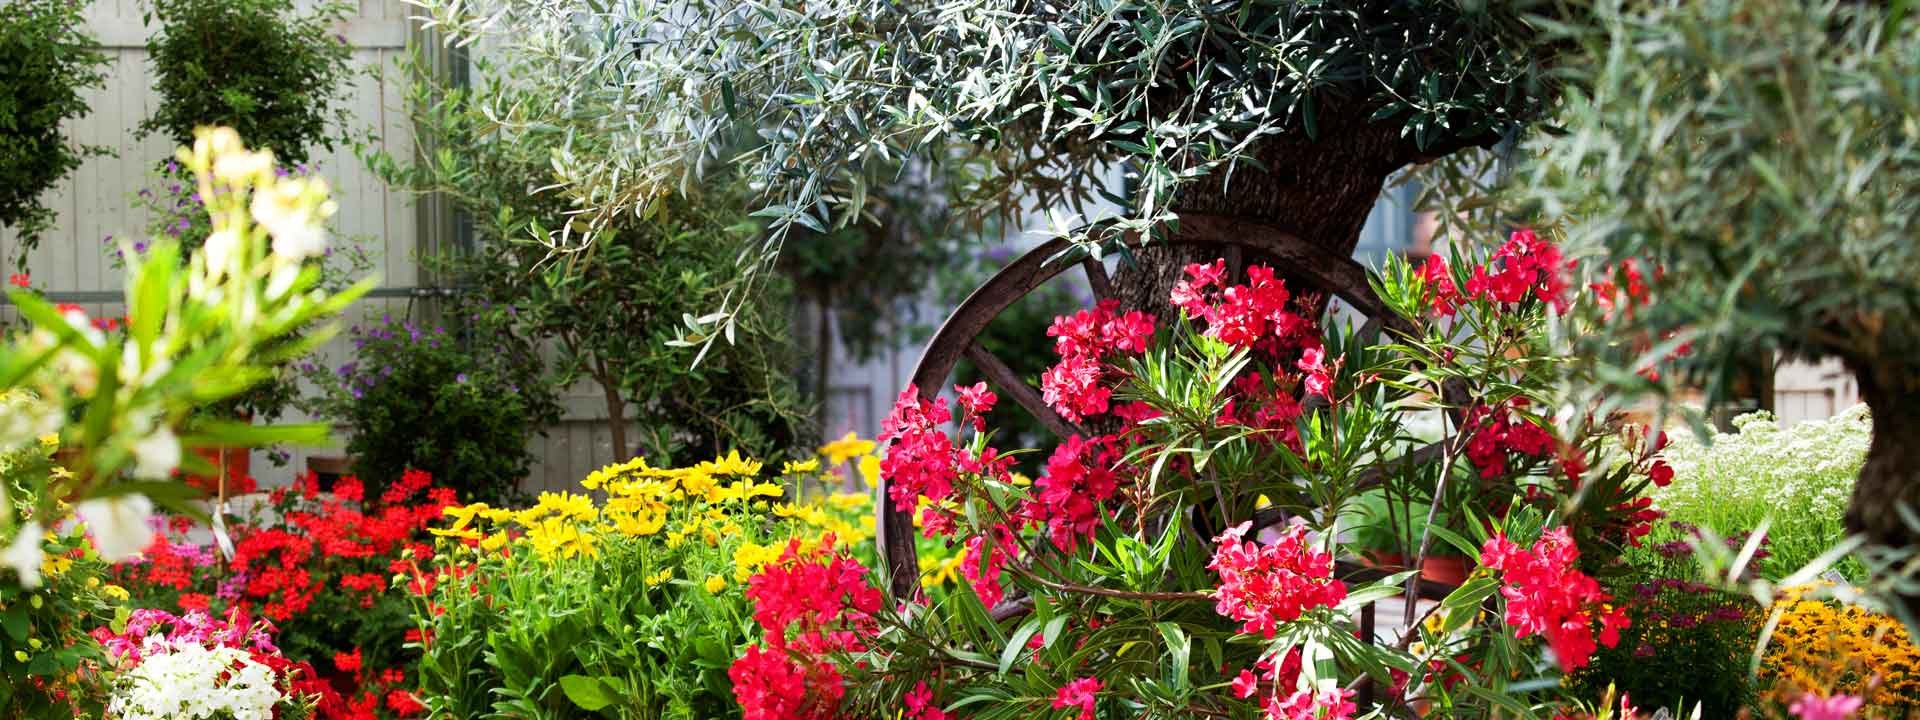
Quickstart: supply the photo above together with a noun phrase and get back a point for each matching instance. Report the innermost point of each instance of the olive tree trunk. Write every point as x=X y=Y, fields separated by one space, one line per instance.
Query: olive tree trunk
x=1319 y=189
x=1890 y=478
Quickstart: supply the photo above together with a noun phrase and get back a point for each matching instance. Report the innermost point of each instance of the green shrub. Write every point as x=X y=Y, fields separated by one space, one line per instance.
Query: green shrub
x=1688 y=644
x=1797 y=479
x=252 y=65
x=49 y=59
x=459 y=406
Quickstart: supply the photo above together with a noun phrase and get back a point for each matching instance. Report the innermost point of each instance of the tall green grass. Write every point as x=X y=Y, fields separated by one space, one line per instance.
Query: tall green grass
x=1798 y=478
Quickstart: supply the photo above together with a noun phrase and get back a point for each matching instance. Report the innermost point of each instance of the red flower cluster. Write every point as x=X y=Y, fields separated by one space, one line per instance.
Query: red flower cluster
x=1548 y=596
x=1499 y=430
x=1334 y=703
x=1625 y=295
x=808 y=604
x=921 y=704
x=1079 y=385
x=1079 y=477
x=923 y=461
x=323 y=555
x=1080 y=693
x=1264 y=586
x=991 y=549
x=1524 y=267
x=1257 y=403
x=1300 y=703
x=1251 y=315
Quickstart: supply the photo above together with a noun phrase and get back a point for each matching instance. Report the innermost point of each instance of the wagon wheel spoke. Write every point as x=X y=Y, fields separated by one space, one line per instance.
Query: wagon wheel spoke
x=1003 y=377
x=1097 y=277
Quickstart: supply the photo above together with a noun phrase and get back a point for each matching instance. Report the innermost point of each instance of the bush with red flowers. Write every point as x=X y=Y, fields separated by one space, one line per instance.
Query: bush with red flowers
x=328 y=570
x=1179 y=554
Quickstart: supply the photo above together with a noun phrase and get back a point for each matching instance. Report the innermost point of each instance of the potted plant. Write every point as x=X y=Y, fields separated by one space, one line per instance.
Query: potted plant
x=1386 y=532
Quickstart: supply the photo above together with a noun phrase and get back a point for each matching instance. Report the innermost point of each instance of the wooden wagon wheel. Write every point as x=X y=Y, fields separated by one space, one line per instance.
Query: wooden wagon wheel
x=959 y=337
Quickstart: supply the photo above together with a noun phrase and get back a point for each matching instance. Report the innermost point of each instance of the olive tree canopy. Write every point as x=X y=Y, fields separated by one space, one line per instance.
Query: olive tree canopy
x=1290 y=113
x=1759 y=158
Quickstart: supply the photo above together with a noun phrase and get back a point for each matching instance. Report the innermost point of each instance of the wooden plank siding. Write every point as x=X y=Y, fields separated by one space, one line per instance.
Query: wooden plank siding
x=95 y=202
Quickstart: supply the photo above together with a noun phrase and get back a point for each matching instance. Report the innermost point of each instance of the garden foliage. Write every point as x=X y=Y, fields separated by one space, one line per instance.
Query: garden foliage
x=1796 y=480
x=631 y=606
x=1126 y=579
x=334 y=573
x=1043 y=103
x=257 y=66
x=461 y=406
x=45 y=624
x=50 y=60
x=610 y=315
x=1745 y=154
x=119 y=399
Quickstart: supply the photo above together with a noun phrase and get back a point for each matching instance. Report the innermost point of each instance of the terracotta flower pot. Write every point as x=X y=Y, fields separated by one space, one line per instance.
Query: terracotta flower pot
x=234 y=463
x=1451 y=570
x=1383 y=559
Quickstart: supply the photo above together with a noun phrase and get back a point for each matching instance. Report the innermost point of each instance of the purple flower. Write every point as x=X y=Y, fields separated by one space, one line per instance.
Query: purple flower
x=461 y=378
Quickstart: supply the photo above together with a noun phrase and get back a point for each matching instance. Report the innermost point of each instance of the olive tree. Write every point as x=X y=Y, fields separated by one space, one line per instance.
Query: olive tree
x=1285 y=114
x=1757 y=158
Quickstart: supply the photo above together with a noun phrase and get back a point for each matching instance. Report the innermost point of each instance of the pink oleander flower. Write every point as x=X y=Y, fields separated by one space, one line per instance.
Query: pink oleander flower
x=1080 y=385
x=1264 y=586
x=1814 y=707
x=1078 y=694
x=809 y=604
x=1547 y=595
x=1079 y=477
x=1329 y=704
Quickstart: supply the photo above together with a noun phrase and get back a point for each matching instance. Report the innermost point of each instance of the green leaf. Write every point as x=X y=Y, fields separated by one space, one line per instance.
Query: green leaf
x=590 y=693
x=1180 y=649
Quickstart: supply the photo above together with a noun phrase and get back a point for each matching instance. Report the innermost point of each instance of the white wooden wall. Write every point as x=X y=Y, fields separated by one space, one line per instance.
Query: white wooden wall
x=95 y=202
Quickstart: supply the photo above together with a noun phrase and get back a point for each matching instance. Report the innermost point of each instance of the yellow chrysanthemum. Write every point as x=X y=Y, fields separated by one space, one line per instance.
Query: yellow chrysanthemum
x=659 y=577
x=732 y=464
x=870 y=471
x=848 y=447
x=849 y=501
x=808 y=465
x=715 y=584
x=54 y=565
x=556 y=537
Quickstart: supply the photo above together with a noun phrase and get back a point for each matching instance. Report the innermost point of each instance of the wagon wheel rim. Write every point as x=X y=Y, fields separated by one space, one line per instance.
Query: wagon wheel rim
x=959 y=334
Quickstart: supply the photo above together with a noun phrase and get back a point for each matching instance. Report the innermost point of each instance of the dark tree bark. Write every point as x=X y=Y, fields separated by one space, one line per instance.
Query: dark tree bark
x=1890 y=479
x=1319 y=189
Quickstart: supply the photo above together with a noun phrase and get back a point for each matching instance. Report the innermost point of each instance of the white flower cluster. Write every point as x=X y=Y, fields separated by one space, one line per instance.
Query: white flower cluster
x=1806 y=470
x=189 y=681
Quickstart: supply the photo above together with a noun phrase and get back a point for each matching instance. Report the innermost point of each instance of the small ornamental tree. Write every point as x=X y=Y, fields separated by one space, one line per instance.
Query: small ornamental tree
x=1751 y=162
x=252 y=65
x=610 y=313
x=1182 y=562
x=50 y=59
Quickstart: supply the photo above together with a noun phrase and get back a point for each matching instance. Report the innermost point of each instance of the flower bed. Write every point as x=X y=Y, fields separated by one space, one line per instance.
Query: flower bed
x=331 y=572
x=631 y=605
